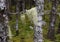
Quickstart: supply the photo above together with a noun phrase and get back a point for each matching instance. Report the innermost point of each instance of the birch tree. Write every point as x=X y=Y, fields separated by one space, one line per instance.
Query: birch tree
x=4 y=23
x=17 y=10
x=51 y=29
x=38 y=33
x=23 y=6
x=1 y=27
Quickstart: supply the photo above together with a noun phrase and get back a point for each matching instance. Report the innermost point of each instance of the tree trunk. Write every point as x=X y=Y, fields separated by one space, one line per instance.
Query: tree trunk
x=23 y=6
x=51 y=29
x=17 y=10
x=4 y=22
x=38 y=33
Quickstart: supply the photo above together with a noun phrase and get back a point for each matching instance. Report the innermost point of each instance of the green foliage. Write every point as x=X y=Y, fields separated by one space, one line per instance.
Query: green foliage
x=26 y=34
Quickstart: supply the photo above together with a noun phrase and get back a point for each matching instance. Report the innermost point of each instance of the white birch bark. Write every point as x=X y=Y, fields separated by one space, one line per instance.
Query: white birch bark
x=4 y=22
x=17 y=10
x=51 y=30
x=5 y=27
x=1 y=27
x=2 y=4
x=38 y=33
